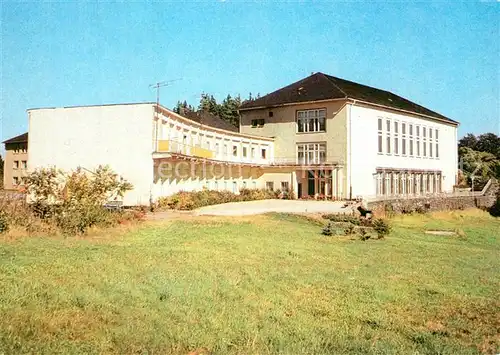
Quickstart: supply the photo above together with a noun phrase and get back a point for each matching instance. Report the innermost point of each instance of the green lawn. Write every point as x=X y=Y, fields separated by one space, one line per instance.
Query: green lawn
x=266 y=284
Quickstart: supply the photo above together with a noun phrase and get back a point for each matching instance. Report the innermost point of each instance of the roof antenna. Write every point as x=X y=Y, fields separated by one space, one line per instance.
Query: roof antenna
x=160 y=84
x=157 y=86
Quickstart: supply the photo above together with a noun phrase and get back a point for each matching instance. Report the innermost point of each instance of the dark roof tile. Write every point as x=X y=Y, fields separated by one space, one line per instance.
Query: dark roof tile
x=206 y=118
x=22 y=138
x=320 y=86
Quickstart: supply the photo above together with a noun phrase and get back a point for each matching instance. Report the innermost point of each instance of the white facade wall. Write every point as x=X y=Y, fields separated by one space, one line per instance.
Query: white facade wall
x=187 y=134
x=123 y=136
x=116 y=135
x=363 y=157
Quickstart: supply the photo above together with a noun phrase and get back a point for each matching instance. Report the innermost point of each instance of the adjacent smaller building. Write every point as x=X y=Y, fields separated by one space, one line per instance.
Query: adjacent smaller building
x=16 y=161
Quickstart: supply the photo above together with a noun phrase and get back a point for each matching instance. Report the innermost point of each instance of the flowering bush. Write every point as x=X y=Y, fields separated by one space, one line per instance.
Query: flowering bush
x=73 y=201
x=191 y=200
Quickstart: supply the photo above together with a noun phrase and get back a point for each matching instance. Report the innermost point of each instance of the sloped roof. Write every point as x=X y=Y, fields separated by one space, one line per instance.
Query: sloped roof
x=319 y=86
x=22 y=138
x=206 y=118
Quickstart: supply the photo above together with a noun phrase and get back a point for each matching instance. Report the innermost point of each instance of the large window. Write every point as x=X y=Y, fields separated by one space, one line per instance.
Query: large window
x=311 y=153
x=407 y=182
x=380 y=149
x=411 y=140
x=396 y=138
x=437 y=143
x=431 y=143
x=403 y=138
x=388 y=136
x=424 y=143
x=311 y=121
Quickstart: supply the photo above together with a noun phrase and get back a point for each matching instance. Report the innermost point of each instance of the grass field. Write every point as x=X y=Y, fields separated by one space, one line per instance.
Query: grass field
x=266 y=284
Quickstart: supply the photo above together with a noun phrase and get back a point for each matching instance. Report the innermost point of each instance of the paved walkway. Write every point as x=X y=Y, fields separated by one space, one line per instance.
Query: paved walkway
x=265 y=206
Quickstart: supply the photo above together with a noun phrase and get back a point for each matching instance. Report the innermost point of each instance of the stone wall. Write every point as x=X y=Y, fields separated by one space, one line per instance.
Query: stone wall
x=438 y=203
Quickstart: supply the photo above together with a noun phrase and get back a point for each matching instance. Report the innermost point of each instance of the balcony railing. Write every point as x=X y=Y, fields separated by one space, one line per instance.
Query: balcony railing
x=168 y=146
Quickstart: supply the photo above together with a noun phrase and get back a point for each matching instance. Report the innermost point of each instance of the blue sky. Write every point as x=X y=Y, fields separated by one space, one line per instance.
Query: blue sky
x=443 y=55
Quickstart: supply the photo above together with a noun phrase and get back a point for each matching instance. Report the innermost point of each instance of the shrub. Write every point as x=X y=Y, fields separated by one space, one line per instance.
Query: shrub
x=74 y=202
x=495 y=209
x=77 y=219
x=185 y=200
x=382 y=227
x=349 y=230
x=328 y=230
x=4 y=222
x=363 y=234
x=349 y=218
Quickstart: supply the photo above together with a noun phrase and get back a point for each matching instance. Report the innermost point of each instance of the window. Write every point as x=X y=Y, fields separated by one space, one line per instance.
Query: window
x=216 y=185
x=24 y=164
x=424 y=143
x=311 y=153
x=263 y=153
x=388 y=136
x=380 y=150
x=271 y=114
x=16 y=164
x=244 y=152
x=235 y=150
x=378 y=184
x=396 y=138
x=258 y=123
x=244 y=184
x=403 y=138
x=418 y=140
x=254 y=184
x=226 y=152
x=253 y=152
x=270 y=185
x=217 y=150
x=15 y=180
x=285 y=185
x=207 y=184
x=411 y=140
x=311 y=121
x=437 y=145
x=235 y=187
x=431 y=142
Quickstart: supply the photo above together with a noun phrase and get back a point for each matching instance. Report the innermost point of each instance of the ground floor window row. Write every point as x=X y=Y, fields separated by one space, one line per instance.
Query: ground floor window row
x=235 y=186
x=396 y=183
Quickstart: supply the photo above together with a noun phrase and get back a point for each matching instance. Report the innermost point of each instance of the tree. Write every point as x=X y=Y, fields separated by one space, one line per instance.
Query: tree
x=489 y=142
x=226 y=110
x=478 y=165
x=180 y=107
x=469 y=141
x=479 y=158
